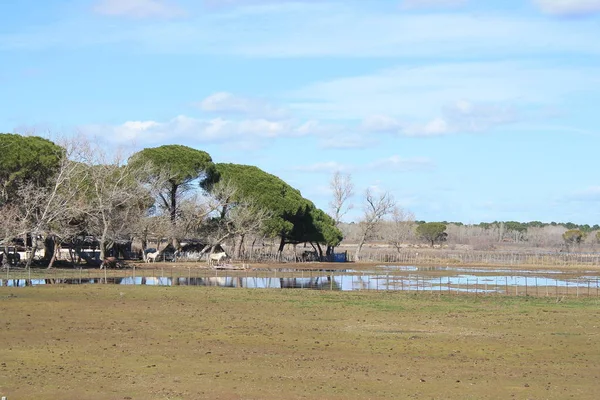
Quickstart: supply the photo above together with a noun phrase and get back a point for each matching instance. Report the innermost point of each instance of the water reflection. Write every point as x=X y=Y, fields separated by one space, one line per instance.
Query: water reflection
x=343 y=282
x=449 y=268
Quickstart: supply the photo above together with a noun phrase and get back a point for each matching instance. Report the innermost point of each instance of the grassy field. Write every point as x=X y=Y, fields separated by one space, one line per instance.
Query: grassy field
x=111 y=342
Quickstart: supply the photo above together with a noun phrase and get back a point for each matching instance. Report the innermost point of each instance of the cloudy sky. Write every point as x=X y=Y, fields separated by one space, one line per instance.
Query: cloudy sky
x=465 y=110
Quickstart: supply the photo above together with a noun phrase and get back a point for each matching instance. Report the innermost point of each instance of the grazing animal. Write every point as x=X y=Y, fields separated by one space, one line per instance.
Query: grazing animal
x=110 y=262
x=216 y=258
x=151 y=257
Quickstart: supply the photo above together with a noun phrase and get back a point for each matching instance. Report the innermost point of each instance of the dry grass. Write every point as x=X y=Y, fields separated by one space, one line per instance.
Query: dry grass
x=110 y=342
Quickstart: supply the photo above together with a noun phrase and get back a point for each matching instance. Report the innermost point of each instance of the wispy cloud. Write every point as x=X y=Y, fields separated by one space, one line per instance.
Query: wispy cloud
x=220 y=4
x=394 y=163
x=590 y=194
x=208 y=130
x=569 y=8
x=139 y=8
x=323 y=167
x=413 y=4
x=381 y=123
x=346 y=141
x=228 y=103
x=401 y=164
x=313 y=28
x=465 y=117
x=401 y=96
x=190 y=129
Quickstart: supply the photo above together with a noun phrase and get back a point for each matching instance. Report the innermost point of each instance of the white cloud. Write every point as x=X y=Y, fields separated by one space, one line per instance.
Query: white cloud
x=569 y=8
x=215 y=130
x=436 y=127
x=247 y=132
x=139 y=8
x=381 y=123
x=397 y=163
x=412 y=4
x=224 y=102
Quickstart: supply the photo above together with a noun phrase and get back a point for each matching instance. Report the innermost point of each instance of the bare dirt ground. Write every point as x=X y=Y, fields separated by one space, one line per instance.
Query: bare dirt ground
x=137 y=342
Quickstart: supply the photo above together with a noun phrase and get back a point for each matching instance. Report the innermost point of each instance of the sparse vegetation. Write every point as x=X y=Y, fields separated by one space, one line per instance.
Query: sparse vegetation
x=98 y=342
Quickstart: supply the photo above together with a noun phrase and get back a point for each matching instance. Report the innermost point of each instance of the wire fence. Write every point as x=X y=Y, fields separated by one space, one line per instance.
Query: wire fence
x=433 y=256
x=443 y=257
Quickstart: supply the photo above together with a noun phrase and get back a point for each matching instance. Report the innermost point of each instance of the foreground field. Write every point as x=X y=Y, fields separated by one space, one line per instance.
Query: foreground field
x=137 y=342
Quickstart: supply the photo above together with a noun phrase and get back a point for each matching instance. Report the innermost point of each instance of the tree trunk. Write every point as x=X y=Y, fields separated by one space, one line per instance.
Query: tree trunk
x=359 y=248
x=5 y=261
x=31 y=256
x=53 y=258
x=238 y=250
x=176 y=243
x=320 y=252
x=49 y=246
x=173 y=205
x=280 y=250
x=103 y=243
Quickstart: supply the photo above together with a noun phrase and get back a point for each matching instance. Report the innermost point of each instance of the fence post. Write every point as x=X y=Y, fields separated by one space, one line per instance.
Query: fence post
x=588 y=282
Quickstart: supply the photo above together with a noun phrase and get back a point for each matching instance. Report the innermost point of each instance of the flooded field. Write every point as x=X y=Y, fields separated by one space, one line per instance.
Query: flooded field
x=448 y=279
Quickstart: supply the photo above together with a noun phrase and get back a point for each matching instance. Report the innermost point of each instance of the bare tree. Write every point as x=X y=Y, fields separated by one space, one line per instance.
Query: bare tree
x=400 y=228
x=51 y=211
x=118 y=196
x=247 y=219
x=233 y=218
x=10 y=228
x=375 y=208
x=343 y=189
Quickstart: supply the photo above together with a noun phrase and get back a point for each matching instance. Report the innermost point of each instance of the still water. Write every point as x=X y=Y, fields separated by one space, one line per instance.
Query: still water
x=393 y=278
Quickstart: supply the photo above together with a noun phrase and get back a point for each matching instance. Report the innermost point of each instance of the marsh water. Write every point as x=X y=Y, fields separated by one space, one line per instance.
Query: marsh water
x=390 y=278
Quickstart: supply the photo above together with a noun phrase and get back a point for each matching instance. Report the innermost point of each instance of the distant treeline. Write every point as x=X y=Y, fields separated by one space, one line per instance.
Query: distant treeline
x=523 y=226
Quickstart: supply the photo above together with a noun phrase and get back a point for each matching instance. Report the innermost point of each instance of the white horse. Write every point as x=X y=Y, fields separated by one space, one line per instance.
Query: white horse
x=151 y=257
x=217 y=258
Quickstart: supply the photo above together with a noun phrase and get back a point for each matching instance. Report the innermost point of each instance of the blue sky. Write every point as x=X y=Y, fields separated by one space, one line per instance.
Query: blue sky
x=464 y=110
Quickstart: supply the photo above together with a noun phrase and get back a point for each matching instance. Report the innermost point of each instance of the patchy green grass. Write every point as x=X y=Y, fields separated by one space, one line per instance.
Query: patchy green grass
x=138 y=342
